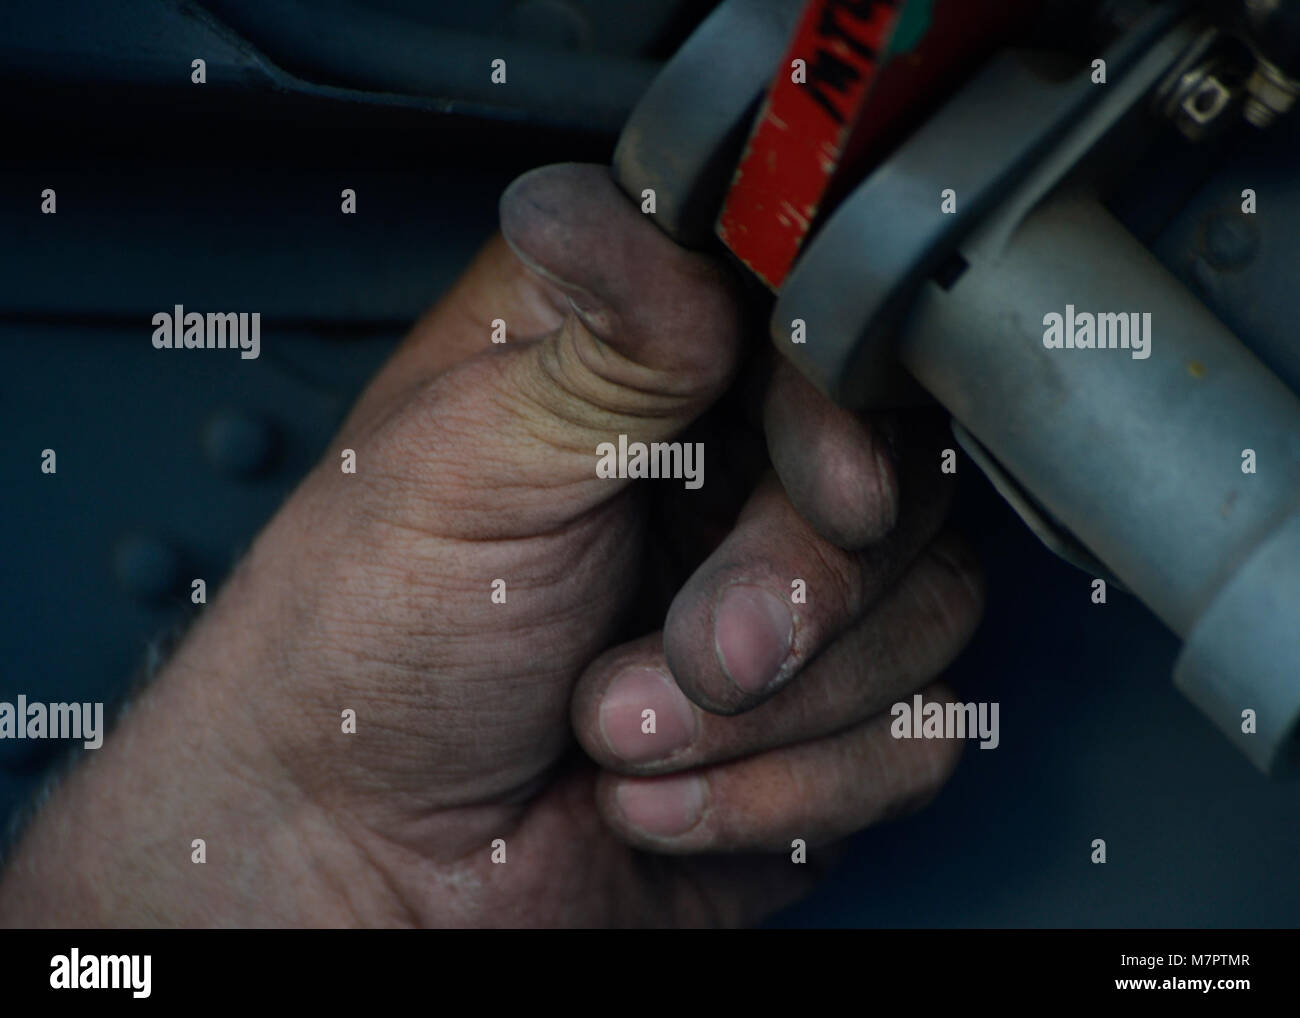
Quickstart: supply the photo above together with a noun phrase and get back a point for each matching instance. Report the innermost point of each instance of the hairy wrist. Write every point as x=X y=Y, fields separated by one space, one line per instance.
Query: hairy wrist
x=186 y=817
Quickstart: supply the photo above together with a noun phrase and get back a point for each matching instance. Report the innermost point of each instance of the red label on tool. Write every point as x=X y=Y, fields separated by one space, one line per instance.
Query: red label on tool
x=844 y=105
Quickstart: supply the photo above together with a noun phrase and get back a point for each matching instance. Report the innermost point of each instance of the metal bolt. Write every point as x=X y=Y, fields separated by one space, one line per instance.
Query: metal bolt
x=239 y=442
x=1207 y=100
x=1270 y=93
x=147 y=568
x=1230 y=240
x=1201 y=87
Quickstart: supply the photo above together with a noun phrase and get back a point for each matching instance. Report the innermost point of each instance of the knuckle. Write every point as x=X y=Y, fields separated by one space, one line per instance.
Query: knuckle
x=949 y=590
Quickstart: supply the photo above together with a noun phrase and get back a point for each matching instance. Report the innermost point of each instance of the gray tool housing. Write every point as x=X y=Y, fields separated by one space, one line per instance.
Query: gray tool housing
x=1130 y=466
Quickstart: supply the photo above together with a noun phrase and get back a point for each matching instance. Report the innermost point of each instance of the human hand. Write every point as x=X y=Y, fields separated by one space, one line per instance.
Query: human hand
x=372 y=592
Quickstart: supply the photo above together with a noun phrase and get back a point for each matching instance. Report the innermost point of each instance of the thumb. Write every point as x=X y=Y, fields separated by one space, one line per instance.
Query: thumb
x=487 y=475
x=651 y=337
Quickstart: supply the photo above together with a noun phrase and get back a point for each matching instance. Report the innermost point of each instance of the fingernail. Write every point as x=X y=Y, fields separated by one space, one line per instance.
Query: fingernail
x=580 y=299
x=536 y=211
x=753 y=631
x=662 y=806
x=635 y=736
x=598 y=319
